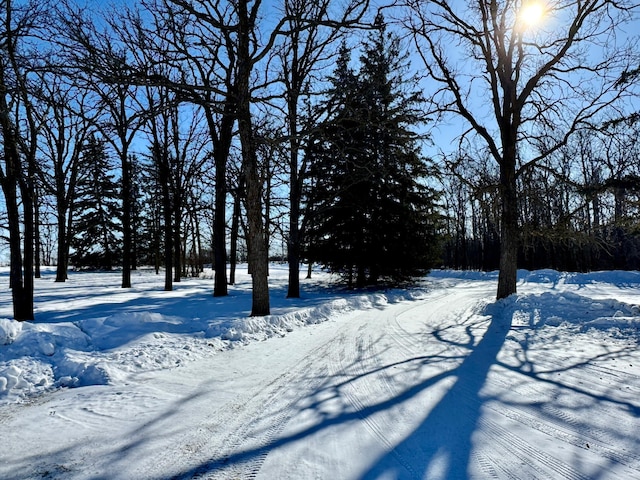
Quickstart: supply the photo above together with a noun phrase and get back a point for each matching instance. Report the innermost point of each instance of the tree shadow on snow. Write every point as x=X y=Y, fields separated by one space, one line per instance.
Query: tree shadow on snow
x=443 y=441
x=444 y=445
x=441 y=444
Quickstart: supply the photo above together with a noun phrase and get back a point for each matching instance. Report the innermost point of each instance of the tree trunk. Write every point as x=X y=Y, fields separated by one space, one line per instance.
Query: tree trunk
x=235 y=227
x=255 y=234
x=21 y=288
x=596 y=213
x=255 y=227
x=177 y=236
x=37 y=256
x=61 y=269
x=183 y=258
x=168 y=245
x=65 y=213
x=26 y=303
x=198 y=244
x=164 y=178
x=220 y=288
x=266 y=198
x=157 y=240
x=21 y=271
x=223 y=139
x=126 y=219
x=507 y=277
x=293 y=244
x=22 y=305
x=293 y=257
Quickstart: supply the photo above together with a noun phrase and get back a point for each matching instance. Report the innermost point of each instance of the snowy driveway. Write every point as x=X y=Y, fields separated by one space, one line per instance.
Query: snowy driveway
x=451 y=386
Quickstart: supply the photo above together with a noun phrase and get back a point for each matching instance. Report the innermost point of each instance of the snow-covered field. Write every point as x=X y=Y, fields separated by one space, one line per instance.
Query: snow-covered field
x=436 y=382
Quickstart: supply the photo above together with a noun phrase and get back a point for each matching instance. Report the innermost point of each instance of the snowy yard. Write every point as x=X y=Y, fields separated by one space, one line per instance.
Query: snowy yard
x=436 y=382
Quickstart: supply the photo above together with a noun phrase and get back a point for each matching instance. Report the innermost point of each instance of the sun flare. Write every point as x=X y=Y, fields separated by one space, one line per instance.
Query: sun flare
x=532 y=13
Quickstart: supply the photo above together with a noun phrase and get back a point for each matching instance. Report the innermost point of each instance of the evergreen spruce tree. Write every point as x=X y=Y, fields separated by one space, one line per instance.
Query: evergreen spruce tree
x=335 y=231
x=97 y=228
x=150 y=227
x=372 y=214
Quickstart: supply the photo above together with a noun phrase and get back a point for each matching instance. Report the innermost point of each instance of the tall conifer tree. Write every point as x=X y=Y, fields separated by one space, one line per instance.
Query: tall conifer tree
x=98 y=227
x=372 y=214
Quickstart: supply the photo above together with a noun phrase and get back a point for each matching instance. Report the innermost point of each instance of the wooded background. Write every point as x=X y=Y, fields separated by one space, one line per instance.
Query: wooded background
x=178 y=134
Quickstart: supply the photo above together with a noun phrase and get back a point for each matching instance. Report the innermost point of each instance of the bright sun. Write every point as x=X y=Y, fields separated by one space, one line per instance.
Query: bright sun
x=532 y=13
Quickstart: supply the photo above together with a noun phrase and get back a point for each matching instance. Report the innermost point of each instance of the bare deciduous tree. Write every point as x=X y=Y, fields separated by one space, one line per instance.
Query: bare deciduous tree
x=519 y=86
x=99 y=61
x=65 y=128
x=19 y=129
x=194 y=61
x=310 y=34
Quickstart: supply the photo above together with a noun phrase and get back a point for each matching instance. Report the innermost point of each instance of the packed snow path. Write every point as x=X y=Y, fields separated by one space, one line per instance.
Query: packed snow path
x=451 y=386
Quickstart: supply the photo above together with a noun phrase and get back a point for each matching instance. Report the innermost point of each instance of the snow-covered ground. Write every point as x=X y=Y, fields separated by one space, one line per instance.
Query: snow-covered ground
x=435 y=382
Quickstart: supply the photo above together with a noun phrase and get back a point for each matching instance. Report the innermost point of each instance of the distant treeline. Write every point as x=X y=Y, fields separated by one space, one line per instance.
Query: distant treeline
x=613 y=249
x=579 y=211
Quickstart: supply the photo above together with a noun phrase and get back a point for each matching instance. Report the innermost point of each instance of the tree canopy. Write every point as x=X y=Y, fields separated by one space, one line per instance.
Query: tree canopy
x=258 y=127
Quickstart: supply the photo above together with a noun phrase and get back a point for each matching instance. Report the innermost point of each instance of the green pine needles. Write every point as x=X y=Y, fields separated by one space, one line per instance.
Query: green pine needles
x=372 y=215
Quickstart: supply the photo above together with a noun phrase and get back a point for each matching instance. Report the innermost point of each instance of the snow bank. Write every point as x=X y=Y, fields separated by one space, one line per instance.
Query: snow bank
x=34 y=353
x=101 y=350
x=621 y=279
x=577 y=302
x=571 y=309
x=9 y=330
x=245 y=330
x=145 y=329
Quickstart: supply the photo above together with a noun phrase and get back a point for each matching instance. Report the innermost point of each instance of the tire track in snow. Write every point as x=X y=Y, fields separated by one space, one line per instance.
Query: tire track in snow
x=360 y=365
x=563 y=422
x=498 y=461
x=373 y=380
x=598 y=380
x=257 y=423
x=361 y=362
x=404 y=338
x=554 y=423
x=588 y=437
x=598 y=386
x=545 y=464
x=558 y=424
x=254 y=425
x=487 y=464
